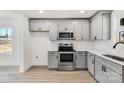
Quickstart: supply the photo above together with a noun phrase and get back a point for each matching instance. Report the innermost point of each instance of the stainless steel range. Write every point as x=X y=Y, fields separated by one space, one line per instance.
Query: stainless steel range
x=66 y=57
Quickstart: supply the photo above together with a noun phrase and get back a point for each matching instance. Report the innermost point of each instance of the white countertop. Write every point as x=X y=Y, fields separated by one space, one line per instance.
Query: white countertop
x=100 y=53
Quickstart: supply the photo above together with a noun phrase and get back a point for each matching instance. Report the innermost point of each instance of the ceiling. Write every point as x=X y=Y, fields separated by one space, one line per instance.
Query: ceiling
x=56 y=13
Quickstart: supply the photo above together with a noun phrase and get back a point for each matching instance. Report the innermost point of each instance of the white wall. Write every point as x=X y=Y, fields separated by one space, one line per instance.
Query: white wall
x=108 y=45
x=26 y=45
x=20 y=41
x=9 y=20
x=40 y=45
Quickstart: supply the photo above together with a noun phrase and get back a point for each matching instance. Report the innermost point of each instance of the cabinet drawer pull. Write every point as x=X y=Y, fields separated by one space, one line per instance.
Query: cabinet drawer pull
x=92 y=61
x=56 y=57
x=90 y=55
x=102 y=68
x=75 y=57
x=95 y=37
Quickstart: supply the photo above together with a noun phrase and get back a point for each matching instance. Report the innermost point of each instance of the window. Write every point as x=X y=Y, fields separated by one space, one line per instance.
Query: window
x=5 y=41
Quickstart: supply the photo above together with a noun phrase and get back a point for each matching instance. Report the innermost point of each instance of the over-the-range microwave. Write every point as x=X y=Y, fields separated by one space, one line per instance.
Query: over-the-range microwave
x=66 y=36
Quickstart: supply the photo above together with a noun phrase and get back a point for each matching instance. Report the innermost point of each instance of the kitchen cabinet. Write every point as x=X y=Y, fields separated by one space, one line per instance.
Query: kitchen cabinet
x=81 y=30
x=90 y=63
x=39 y=25
x=52 y=60
x=77 y=30
x=80 y=59
x=85 y=30
x=66 y=26
x=107 y=72
x=53 y=30
x=100 y=74
x=113 y=77
x=100 y=26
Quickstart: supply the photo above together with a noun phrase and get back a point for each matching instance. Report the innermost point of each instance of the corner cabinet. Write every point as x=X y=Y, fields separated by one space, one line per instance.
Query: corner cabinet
x=100 y=26
x=85 y=30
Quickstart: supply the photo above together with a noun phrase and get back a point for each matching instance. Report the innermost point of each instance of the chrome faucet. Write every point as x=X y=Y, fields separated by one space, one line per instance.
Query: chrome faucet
x=117 y=43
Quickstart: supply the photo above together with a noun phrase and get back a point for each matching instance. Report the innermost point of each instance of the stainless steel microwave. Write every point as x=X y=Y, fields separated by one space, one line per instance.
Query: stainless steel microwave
x=66 y=36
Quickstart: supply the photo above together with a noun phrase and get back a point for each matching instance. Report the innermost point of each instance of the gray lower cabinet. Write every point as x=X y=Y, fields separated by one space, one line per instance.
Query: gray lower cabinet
x=107 y=72
x=113 y=77
x=52 y=60
x=100 y=75
x=90 y=63
x=80 y=59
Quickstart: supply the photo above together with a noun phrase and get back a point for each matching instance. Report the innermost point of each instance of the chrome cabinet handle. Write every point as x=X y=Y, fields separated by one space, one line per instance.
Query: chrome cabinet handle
x=56 y=57
x=95 y=37
x=92 y=61
x=90 y=55
x=102 y=68
x=75 y=57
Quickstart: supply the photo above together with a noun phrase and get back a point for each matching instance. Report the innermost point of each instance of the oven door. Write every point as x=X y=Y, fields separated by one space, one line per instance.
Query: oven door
x=66 y=57
x=66 y=61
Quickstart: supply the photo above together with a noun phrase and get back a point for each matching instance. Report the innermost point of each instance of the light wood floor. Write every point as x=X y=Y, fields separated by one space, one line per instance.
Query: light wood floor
x=38 y=74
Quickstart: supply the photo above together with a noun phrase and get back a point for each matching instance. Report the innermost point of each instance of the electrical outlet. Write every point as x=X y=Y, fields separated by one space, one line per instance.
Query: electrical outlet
x=36 y=57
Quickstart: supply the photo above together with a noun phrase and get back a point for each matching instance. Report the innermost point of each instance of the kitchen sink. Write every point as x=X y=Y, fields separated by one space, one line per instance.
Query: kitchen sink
x=114 y=57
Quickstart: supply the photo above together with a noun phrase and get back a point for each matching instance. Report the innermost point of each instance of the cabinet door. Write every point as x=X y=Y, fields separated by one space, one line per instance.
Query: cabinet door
x=52 y=60
x=77 y=30
x=100 y=75
x=90 y=63
x=113 y=77
x=106 y=26
x=99 y=34
x=96 y=27
x=85 y=30
x=66 y=26
x=80 y=60
x=39 y=25
x=53 y=28
x=92 y=29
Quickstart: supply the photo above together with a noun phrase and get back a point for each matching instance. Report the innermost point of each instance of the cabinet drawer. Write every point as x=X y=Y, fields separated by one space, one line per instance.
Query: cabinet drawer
x=52 y=52
x=115 y=67
x=80 y=53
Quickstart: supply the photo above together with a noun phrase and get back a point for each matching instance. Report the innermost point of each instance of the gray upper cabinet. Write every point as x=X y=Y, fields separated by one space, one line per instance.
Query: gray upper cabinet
x=80 y=59
x=39 y=25
x=100 y=26
x=90 y=63
x=77 y=30
x=66 y=26
x=81 y=30
x=53 y=30
x=85 y=30
x=52 y=60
